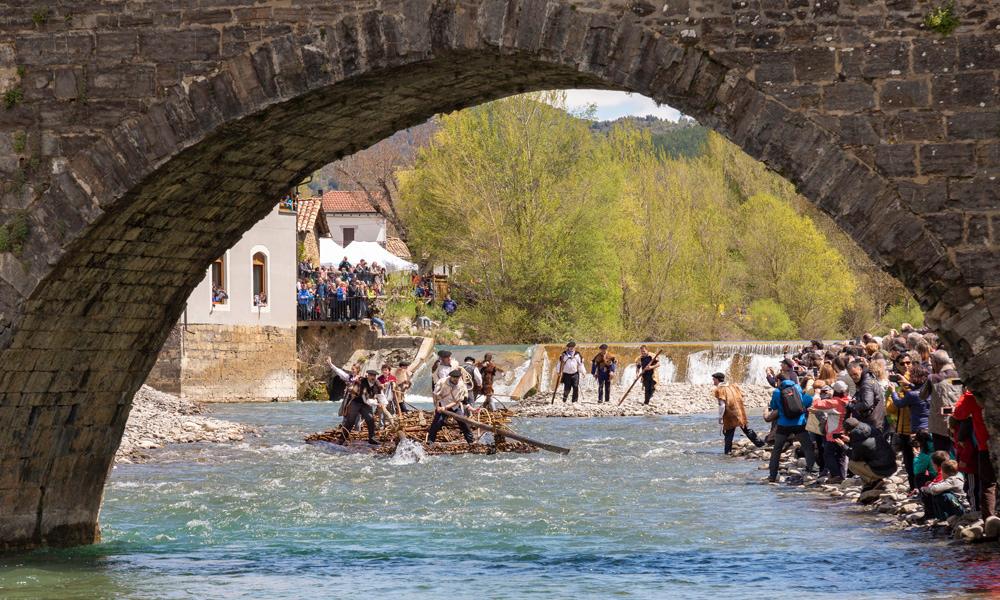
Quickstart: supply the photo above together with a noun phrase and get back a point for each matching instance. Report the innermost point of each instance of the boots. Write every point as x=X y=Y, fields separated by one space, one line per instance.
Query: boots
x=753 y=437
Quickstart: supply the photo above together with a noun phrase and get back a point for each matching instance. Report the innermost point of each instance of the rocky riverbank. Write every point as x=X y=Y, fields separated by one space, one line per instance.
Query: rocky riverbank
x=669 y=399
x=892 y=503
x=158 y=419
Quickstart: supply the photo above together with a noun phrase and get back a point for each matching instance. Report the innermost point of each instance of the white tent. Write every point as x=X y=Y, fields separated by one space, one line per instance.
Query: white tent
x=330 y=252
x=374 y=252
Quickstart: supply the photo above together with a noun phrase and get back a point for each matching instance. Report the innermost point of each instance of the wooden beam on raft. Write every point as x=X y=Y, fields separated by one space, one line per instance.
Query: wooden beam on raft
x=505 y=432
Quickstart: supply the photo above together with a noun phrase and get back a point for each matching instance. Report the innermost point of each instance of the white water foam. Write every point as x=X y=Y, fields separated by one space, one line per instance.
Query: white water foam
x=702 y=364
x=757 y=369
x=407 y=452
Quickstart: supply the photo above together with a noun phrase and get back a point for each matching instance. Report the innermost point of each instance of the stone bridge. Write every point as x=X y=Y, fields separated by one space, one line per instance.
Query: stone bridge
x=140 y=139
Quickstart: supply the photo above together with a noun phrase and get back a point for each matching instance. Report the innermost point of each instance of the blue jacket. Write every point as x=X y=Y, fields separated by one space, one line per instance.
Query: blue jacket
x=919 y=409
x=304 y=297
x=784 y=421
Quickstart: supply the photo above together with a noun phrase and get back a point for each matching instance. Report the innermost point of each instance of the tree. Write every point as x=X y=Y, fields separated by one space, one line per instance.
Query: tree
x=374 y=171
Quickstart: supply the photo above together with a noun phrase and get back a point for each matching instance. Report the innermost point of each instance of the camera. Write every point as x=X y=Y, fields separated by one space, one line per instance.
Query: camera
x=894 y=377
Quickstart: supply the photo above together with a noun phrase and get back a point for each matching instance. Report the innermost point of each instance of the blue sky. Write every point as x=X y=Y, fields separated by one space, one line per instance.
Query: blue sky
x=612 y=105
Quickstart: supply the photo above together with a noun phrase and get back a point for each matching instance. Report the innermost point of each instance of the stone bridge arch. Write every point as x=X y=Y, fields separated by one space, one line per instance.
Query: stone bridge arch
x=140 y=141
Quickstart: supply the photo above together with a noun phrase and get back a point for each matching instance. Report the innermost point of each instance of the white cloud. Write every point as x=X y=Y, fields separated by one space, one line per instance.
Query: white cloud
x=612 y=105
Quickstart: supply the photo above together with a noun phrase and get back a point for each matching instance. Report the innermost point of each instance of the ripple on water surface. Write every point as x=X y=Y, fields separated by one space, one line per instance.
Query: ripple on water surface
x=641 y=508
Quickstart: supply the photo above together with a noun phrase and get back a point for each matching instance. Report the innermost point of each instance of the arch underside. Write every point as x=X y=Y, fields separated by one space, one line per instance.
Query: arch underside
x=154 y=209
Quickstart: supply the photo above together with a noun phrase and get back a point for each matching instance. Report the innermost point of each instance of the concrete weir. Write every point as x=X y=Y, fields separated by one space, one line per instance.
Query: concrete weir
x=140 y=140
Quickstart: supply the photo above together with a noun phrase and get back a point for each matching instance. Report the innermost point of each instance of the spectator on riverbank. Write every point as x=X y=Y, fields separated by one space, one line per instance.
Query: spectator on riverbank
x=943 y=391
x=449 y=305
x=985 y=487
x=835 y=409
x=946 y=495
x=868 y=405
x=870 y=455
x=790 y=404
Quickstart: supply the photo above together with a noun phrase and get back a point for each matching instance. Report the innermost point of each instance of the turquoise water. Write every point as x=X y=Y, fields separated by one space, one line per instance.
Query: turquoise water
x=642 y=508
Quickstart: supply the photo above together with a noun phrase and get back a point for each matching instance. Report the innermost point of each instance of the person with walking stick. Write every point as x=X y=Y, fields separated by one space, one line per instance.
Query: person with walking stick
x=571 y=365
x=646 y=366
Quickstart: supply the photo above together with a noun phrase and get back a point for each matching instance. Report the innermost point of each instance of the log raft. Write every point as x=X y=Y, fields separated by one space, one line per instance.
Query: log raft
x=415 y=424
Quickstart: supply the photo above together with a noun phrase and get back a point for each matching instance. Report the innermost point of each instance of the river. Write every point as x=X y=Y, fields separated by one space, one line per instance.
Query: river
x=642 y=508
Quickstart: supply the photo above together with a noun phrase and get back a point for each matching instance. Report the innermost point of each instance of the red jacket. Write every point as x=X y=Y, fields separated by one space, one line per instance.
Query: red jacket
x=967 y=407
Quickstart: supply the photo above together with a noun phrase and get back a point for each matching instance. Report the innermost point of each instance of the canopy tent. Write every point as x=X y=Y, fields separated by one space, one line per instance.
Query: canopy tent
x=371 y=252
x=330 y=252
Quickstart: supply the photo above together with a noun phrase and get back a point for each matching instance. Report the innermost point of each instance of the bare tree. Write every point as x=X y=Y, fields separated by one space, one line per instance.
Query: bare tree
x=373 y=171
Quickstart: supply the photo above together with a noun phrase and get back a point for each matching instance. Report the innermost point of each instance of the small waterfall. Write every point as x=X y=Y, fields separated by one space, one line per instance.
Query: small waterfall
x=701 y=366
x=667 y=371
x=407 y=452
x=756 y=370
x=505 y=385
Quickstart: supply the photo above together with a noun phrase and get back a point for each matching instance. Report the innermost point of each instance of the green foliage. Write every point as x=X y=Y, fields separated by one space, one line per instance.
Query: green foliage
x=769 y=321
x=300 y=251
x=40 y=17
x=942 y=19
x=907 y=311
x=20 y=141
x=12 y=97
x=563 y=228
x=14 y=233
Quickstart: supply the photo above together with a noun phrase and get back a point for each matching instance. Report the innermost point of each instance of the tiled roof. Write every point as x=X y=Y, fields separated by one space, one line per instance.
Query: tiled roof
x=308 y=210
x=397 y=247
x=351 y=201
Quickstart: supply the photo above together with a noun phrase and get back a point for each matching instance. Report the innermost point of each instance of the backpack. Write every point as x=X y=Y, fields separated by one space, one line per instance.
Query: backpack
x=791 y=402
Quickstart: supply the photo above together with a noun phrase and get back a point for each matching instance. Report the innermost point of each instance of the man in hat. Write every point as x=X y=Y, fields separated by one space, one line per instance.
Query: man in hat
x=571 y=365
x=473 y=380
x=369 y=394
x=645 y=366
x=488 y=372
x=732 y=413
x=449 y=394
x=442 y=366
x=603 y=367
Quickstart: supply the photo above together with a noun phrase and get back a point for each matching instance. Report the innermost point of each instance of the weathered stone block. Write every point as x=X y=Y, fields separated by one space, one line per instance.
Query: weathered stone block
x=896 y=160
x=964 y=89
x=974 y=125
x=814 y=64
x=848 y=97
x=910 y=93
x=886 y=59
x=914 y=126
x=947 y=159
x=935 y=55
x=179 y=46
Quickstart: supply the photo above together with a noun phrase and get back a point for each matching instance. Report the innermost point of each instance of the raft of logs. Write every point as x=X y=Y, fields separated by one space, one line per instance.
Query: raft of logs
x=415 y=424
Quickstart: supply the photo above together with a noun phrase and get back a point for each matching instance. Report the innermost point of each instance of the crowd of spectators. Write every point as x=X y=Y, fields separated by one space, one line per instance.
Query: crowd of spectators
x=345 y=293
x=290 y=201
x=871 y=406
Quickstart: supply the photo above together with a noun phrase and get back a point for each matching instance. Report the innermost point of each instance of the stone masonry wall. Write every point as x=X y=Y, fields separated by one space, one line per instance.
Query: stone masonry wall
x=237 y=363
x=140 y=139
x=166 y=373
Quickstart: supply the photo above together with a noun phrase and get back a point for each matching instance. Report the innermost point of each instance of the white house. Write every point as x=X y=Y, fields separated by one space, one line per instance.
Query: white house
x=351 y=217
x=236 y=340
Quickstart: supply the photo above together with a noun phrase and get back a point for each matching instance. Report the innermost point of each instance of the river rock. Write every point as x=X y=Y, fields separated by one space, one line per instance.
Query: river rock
x=991 y=528
x=147 y=444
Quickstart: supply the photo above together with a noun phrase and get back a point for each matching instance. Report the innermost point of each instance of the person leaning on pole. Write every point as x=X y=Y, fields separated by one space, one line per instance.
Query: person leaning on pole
x=571 y=366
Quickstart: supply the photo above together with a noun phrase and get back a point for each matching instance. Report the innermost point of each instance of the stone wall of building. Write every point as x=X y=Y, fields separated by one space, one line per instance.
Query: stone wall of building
x=228 y=363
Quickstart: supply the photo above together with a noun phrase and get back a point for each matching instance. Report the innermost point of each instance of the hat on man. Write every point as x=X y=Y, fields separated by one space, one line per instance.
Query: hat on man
x=839 y=387
x=469 y=359
x=719 y=376
x=371 y=372
x=444 y=354
x=571 y=344
x=602 y=347
x=455 y=373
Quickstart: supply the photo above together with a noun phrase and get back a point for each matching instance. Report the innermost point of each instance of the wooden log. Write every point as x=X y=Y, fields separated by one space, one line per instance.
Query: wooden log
x=637 y=378
x=506 y=433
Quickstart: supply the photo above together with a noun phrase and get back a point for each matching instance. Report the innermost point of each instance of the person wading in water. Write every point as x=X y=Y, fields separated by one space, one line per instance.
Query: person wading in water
x=732 y=413
x=646 y=365
x=571 y=365
x=603 y=367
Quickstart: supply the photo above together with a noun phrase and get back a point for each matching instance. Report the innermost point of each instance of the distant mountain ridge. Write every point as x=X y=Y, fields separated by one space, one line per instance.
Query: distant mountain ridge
x=683 y=138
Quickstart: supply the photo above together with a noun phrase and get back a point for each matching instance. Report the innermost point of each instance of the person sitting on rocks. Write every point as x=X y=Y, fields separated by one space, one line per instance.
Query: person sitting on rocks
x=946 y=495
x=871 y=456
x=732 y=412
x=924 y=469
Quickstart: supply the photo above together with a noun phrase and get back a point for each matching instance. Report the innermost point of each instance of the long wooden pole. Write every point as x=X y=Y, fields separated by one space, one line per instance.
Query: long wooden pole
x=505 y=432
x=638 y=376
x=555 y=386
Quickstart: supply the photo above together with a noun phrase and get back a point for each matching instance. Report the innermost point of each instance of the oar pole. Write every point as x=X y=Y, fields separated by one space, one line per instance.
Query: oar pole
x=505 y=432
x=638 y=376
x=555 y=386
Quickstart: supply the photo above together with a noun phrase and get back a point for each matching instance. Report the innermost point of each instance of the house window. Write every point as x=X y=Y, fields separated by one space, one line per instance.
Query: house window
x=220 y=295
x=348 y=235
x=260 y=279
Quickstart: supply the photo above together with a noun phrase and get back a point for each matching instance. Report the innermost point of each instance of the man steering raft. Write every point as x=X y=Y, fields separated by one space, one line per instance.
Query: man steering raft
x=367 y=396
x=449 y=394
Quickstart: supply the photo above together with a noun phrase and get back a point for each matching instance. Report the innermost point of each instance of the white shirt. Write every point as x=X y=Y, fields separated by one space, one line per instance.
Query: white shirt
x=571 y=363
x=443 y=371
x=446 y=393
